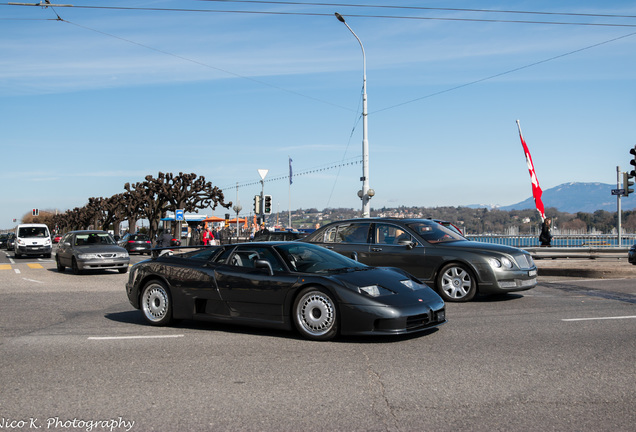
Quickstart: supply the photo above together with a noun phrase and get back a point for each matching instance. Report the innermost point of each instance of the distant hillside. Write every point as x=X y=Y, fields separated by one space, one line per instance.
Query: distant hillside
x=578 y=197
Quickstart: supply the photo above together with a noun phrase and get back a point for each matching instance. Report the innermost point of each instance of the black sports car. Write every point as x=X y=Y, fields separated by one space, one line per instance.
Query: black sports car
x=283 y=285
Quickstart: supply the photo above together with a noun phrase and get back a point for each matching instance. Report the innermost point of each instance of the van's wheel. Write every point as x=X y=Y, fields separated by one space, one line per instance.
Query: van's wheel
x=456 y=283
x=156 y=303
x=315 y=314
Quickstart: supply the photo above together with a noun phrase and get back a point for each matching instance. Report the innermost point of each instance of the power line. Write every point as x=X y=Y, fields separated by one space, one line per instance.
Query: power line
x=330 y=15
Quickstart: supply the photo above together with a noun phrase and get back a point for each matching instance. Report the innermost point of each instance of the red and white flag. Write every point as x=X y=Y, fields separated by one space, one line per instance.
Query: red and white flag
x=536 y=189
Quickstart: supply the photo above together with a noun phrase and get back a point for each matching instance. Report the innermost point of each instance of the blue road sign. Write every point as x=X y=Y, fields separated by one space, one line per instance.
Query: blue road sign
x=179 y=215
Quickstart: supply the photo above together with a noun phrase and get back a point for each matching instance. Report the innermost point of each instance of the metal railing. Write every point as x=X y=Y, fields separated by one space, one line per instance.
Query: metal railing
x=589 y=246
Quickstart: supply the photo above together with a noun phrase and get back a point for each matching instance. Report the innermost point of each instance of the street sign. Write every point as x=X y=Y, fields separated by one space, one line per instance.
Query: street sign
x=179 y=215
x=618 y=191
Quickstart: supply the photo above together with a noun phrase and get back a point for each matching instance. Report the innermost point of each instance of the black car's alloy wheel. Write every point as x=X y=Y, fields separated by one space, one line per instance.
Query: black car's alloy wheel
x=156 y=304
x=315 y=314
x=456 y=283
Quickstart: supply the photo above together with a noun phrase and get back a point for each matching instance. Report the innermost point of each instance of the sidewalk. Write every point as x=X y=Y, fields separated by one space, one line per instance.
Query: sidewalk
x=599 y=268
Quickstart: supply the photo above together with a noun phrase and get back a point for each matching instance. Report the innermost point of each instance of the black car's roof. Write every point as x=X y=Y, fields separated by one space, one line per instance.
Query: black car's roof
x=384 y=219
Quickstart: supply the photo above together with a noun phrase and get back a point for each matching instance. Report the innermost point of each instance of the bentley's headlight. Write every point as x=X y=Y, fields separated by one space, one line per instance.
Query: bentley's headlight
x=502 y=262
x=375 y=290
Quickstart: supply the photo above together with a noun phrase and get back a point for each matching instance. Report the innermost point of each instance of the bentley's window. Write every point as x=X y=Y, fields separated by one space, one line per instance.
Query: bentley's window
x=348 y=233
x=388 y=234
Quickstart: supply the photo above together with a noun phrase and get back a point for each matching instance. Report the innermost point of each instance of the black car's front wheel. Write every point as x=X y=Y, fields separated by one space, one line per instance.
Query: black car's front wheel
x=315 y=314
x=456 y=283
x=156 y=303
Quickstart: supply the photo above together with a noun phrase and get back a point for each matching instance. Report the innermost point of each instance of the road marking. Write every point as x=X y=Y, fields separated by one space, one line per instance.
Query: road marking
x=32 y=280
x=600 y=318
x=17 y=271
x=133 y=337
x=5 y=266
x=35 y=265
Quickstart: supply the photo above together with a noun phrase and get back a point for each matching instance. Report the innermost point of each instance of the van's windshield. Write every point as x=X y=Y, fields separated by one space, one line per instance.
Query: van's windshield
x=27 y=232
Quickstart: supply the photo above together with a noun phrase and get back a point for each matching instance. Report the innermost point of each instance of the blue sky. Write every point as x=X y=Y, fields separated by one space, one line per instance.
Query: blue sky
x=107 y=96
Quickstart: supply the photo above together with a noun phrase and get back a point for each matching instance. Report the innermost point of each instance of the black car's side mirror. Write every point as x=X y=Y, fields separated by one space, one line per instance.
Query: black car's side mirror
x=264 y=264
x=354 y=255
x=408 y=243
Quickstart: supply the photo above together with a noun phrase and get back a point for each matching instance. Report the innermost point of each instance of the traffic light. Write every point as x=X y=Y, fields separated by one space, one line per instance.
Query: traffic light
x=35 y=212
x=257 y=204
x=268 y=204
x=627 y=184
x=633 y=162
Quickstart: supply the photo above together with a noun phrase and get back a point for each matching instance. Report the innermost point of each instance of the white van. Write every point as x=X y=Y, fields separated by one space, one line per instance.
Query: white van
x=32 y=239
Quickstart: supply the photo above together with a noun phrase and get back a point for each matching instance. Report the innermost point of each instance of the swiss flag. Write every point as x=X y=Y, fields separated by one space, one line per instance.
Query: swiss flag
x=536 y=189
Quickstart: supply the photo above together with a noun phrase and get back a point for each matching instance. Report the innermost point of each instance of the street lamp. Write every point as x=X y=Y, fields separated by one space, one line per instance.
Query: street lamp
x=365 y=194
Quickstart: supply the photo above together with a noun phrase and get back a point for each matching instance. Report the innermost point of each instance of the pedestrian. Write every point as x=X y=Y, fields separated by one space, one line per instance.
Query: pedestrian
x=165 y=239
x=546 y=236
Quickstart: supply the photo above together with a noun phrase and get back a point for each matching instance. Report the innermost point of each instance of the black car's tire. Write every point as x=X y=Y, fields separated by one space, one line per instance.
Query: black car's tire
x=75 y=267
x=59 y=265
x=156 y=303
x=315 y=314
x=455 y=283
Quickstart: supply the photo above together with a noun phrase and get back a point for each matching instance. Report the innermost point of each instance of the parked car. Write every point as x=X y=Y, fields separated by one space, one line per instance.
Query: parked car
x=283 y=285
x=265 y=235
x=631 y=255
x=457 y=268
x=90 y=250
x=10 y=241
x=3 y=240
x=139 y=243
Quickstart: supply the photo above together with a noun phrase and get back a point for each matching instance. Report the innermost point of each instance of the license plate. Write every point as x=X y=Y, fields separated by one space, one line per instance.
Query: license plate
x=532 y=273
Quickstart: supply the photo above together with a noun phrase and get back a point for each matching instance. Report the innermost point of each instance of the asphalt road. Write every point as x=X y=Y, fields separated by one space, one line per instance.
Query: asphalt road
x=76 y=356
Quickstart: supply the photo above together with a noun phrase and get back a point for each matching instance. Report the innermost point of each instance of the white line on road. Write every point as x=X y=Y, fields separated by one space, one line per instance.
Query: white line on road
x=17 y=271
x=32 y=280
x=600 y=318
x=133 y=337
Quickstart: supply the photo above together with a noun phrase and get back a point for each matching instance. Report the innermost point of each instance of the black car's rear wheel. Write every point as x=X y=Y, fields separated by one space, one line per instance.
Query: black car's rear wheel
x=156 y=303
x=456 y=283
x=315 y=314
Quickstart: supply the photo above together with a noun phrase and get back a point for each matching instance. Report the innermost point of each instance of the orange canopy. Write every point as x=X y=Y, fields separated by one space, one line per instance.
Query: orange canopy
x=213 y=219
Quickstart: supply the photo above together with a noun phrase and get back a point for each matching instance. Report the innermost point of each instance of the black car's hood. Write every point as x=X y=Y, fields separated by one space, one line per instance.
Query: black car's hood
x=390 y=279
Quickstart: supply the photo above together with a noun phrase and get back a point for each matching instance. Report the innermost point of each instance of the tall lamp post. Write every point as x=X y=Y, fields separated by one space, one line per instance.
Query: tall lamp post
x=366 y=193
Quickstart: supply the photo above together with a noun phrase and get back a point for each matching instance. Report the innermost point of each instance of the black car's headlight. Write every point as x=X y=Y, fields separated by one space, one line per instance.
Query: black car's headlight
x=411 y=284
x=375 y=290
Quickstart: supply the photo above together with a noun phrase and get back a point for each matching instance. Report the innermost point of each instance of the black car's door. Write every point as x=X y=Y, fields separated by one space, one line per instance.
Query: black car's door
x=250 y=292
x=394 y=246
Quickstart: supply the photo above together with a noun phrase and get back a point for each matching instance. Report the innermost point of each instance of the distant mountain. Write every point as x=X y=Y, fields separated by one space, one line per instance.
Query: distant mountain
x=578 y=197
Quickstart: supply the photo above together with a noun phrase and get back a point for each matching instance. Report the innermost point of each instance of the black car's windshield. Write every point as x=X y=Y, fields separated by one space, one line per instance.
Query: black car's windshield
x=308 y=258
x=434 y=232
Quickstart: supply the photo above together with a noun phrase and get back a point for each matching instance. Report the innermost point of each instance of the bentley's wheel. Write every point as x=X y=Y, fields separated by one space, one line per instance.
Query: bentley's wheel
x=456 y=283
x=156 y=304
x=315 y=314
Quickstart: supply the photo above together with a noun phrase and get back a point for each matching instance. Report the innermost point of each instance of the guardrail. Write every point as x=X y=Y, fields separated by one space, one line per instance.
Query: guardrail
x=597 y=241
x=577 y=252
